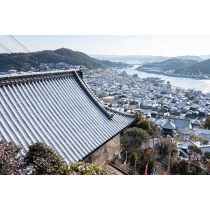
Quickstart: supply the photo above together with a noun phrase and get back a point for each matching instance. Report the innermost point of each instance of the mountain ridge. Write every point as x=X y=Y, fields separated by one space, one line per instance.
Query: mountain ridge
x=180 y=66
x=26 y=61
x=172 y=63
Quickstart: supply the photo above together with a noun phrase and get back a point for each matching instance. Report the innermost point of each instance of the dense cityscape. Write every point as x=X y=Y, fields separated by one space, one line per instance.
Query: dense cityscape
x=177 y=112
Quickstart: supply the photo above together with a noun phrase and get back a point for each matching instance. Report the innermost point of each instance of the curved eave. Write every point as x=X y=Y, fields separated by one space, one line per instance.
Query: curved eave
x=56 y=109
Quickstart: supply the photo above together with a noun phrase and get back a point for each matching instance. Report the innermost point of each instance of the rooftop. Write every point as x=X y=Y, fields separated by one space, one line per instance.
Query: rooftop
x=58 y=109
x=168 y=125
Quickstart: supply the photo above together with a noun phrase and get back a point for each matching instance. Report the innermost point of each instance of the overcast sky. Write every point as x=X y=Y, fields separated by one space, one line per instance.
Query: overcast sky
x=166 y=45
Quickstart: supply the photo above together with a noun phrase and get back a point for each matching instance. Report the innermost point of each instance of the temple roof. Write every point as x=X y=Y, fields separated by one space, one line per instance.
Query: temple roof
x=168 y=125
x=58 y=109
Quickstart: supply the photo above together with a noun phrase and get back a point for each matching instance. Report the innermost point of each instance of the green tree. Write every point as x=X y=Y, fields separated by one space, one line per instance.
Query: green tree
x=187 y=167
x=207 y=165
x=81 y=168
x=205 y=142
x=144 y=124
x=41 y=159
x=206 y=156
x=139 y=117
x=179 y=167
x=195 y=138
x=10 y=158
x=133 y=138
x=194 y=150
x=133 y=158
x=164 y=147
x=144 y=157
x=207 y=123
x=154 y=132
x=195 y=168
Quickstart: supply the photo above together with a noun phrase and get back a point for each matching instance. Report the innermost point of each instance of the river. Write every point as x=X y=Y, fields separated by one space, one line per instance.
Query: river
x=182 y=82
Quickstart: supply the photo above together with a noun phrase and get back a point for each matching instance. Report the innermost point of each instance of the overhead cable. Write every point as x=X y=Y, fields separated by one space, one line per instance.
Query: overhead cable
x=5 y=48
x=19 y=43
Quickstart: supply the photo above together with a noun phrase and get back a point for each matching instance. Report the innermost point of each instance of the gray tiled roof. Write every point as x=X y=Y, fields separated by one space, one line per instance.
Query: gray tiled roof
x=59 y=110
x=181 y=123
x=196 y=122
x=169 y=125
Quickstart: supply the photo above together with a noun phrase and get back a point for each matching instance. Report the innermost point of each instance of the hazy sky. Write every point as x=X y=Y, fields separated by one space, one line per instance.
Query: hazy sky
x=166 y=45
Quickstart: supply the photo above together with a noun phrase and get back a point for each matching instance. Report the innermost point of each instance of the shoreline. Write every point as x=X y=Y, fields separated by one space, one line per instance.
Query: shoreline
x=172 y=75
x=181 y=82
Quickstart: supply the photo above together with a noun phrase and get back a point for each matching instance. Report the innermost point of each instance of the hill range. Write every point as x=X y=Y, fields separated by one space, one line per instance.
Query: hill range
x=26 y=61
x=180 y=65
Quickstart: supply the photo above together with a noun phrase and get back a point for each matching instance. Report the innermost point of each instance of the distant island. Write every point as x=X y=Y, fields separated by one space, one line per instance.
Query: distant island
x=179 y=67
x=45 y=60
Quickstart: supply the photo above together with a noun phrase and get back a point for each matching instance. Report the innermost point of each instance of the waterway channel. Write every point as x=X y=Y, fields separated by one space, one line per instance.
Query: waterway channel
x=182 y=82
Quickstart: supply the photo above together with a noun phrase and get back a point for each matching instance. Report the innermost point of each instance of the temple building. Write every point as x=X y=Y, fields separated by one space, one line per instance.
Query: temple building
x=58 y=109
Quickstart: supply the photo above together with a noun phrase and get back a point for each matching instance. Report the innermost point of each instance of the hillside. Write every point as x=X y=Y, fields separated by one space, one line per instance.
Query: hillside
x=136 y=58
x=170 y=64
x=201 y=67
x=190 y=57
x=24 y=61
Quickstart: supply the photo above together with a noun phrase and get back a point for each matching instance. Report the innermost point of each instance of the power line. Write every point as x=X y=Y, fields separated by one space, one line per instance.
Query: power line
x=5 y=48
x=9 y=51
x=19 y=43
x=22 y=46
x=12 y=38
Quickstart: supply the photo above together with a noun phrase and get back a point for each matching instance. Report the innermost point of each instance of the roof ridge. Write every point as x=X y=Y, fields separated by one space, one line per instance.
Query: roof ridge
x=181 y=119
x=34 y=76
x=122 y=113
x=194 y=143
x=92 y=96
x=37 y=76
